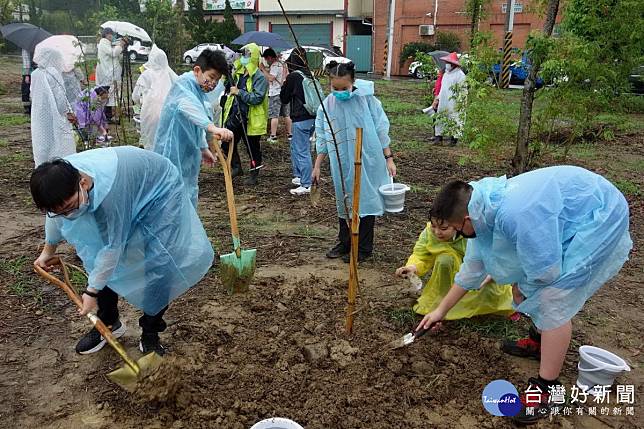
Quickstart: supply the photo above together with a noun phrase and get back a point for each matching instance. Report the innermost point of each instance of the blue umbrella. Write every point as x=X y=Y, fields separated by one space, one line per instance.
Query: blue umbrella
x=263 y=38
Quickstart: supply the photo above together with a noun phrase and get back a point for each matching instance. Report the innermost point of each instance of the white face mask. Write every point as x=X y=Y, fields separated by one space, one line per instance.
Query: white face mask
x=448 y=67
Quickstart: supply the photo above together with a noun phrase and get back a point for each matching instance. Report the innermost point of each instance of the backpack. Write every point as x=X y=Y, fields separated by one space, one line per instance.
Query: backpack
x=311 y=99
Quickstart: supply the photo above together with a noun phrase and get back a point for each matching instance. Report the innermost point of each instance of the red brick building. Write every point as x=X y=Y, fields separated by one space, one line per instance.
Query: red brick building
x=450 y=16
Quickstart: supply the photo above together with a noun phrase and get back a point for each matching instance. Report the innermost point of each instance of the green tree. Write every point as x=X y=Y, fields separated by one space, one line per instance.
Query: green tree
x=196 y=24
x=612 y=29
x=226 y=31
x=125 y=7
x=6 y=11
x=538 y=48
x=476 y=10
x=448 y=41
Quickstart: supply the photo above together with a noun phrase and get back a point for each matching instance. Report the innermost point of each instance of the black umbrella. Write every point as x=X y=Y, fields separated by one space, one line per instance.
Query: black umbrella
x=24 y=35
x=436 y=55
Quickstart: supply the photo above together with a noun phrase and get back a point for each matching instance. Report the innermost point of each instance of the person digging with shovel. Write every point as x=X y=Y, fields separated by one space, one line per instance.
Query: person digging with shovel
x=127 y=215
x=186 y=119
x=559 y=233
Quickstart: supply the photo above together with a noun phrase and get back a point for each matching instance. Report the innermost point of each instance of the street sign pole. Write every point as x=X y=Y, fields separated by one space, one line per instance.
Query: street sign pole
x=507 y=45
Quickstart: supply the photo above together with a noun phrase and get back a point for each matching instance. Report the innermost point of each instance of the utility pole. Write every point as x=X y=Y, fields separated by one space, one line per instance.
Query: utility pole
x=507 y=45
x=390 y=37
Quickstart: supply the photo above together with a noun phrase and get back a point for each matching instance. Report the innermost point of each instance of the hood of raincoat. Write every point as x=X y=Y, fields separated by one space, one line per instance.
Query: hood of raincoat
x=363 y=87
x=50 y=58
x=157 y=60
x=487 y=196
x=253 y=66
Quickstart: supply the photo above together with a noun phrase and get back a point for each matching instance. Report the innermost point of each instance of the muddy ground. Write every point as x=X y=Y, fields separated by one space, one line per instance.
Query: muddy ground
x=280 y=349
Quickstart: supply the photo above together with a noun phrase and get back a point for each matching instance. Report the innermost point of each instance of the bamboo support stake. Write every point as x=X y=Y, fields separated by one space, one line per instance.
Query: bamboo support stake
x=355 y=224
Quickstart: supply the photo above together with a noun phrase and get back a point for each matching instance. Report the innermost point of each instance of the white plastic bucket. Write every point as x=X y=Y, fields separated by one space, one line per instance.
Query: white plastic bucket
x=393 y=195
x=276 y=423
x=598 y=367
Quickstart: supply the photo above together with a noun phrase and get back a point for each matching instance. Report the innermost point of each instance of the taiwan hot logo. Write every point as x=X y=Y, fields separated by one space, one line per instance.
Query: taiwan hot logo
x=501 y=398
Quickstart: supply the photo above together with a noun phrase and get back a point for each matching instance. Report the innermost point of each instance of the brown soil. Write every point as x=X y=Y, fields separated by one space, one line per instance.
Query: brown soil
x=280 y=349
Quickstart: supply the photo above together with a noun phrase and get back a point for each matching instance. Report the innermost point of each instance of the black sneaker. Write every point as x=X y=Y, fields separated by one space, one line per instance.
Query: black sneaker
x=361 y=257
x=337 y=251
x=93 y=341
x=536 y=402
x=150 y=343
x=253 y=178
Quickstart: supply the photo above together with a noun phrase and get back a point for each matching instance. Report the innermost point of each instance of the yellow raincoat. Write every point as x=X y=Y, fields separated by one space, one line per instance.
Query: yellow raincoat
x=444 y=259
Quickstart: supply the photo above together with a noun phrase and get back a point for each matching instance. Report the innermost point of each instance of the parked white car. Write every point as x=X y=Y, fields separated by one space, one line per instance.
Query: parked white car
x=139 y=51
x=327 y=54
x=190 y=56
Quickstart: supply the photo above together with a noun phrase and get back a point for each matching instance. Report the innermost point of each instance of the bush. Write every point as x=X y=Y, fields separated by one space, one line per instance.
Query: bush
x=448 y=41
x=411 y=49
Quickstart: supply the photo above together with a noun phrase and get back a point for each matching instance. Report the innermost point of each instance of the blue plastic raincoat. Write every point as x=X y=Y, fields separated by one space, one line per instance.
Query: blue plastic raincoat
x=362 y=110
x=181 y=134
x=141 y=236
x=559 y=232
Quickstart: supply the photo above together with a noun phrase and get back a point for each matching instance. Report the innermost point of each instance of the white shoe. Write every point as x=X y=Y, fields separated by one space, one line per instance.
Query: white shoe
x=296 y=181
x=301 y=191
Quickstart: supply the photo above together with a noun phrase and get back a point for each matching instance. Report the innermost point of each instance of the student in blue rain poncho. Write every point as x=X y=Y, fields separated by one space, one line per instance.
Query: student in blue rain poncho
x=127 y=215
x=186 y=117
x=353 y=105
x=558 y=234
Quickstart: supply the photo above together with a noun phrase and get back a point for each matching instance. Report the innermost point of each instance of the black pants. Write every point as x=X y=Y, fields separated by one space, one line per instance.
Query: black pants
x=365 y=234
x=109 y=113
x=25 y=92
x=255 y=152
x=108 y=312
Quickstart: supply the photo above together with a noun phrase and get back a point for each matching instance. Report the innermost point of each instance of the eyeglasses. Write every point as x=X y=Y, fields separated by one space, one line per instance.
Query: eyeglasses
x=68 y=211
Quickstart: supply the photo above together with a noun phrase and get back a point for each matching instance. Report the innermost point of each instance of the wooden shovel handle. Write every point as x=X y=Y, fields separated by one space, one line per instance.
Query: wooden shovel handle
x=71 y=293
x=230 y=193
x=64 y=285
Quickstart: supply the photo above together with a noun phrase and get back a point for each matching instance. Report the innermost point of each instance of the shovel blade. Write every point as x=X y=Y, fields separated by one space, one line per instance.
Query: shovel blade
x=128 y=379
x=403 y=341
x=315 y=195
x=236 y=272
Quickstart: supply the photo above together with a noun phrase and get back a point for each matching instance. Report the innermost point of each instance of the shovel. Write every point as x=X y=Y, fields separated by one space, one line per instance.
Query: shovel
x=409 y=338
x=237 y=268
x=132 y=371
x=315 y=194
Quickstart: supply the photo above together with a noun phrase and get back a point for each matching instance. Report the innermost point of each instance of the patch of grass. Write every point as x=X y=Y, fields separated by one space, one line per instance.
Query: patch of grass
x=14 y=266
x=411 y=145
x=620 y=122
x=78 y=279
x=267 y=222
x=4 y=143
x=402 y=317
x=636 y=165
x=417 y=189
x=492 y=327
x=584 y=151
x=14 y=157
x=13 y=119
x=20 y=283
x=19 y=288
x=397 y=106
x=627 y=187
x=414 y=122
